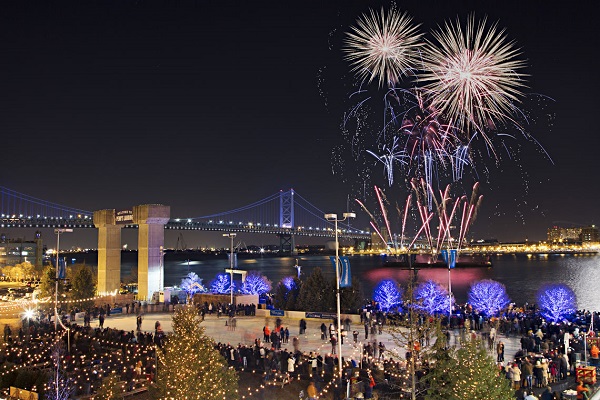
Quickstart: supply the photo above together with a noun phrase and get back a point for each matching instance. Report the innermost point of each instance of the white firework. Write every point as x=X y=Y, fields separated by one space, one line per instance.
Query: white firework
x=383 y=47
x=472 y=75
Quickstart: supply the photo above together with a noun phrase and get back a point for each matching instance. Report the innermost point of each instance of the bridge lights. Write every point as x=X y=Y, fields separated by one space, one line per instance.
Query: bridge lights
x=334 y=218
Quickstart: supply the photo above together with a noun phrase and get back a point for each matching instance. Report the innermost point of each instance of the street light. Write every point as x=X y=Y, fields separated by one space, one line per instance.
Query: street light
x=231 y=236
x=334 y=218
x=58 y=231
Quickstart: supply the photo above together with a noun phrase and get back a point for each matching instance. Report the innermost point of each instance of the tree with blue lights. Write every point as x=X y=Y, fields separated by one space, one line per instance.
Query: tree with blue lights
x=288 y=282
x=222 y=284
x=557 y=302
x=432 y=298
x=192 y=284
x=488 y=297
x=286 y=293
x=388 y=295
x=256 y=283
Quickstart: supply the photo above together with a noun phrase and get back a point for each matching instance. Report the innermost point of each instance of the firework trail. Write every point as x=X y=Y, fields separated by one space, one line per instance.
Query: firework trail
x=469 y=213
x=472 y=76
x=383 y=46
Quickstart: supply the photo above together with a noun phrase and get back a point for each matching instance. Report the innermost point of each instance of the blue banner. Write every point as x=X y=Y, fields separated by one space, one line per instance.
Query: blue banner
x=277 y=313
x=344 y=273
x=62 y=268
x=445 y=255
x=452 y=259
x=345 y=277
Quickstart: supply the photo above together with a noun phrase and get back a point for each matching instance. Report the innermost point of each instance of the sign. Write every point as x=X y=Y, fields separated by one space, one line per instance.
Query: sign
x=116 y=310
x=277 y=313
x=124 y=217
x=320 y=315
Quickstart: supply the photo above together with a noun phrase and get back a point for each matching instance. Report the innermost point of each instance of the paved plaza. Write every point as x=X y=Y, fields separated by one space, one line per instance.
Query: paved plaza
x=250 y=328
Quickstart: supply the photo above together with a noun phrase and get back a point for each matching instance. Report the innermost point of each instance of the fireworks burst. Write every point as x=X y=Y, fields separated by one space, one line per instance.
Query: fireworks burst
x=383 y=47
x=471 y=75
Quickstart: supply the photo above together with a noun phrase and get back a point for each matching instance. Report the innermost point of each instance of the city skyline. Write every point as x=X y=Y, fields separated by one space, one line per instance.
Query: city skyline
x=208 y=107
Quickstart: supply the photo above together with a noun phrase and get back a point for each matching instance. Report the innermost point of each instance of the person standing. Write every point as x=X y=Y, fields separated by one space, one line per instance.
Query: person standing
x=516 y=376
x=333 y=344
x=500 y=351
x=101 y=320
x=139 y=322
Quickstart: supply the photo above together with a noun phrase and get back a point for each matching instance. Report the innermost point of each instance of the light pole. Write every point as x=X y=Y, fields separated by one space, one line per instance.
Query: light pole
x=58 y=231
x=231 y=236
x=334 y=218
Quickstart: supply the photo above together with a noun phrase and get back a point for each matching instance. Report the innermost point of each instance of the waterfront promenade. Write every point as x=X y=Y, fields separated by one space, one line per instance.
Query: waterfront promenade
x=250 y=328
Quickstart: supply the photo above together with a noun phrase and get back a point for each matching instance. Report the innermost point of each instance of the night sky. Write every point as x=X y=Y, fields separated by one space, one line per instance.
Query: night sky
x=207 y=106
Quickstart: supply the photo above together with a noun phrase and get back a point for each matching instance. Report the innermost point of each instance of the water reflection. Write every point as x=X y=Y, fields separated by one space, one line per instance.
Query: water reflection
x=522 y=275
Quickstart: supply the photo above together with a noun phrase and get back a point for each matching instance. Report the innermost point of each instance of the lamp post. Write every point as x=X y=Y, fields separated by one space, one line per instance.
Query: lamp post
x=58 y=231
x=231 y=235
x=334 y=218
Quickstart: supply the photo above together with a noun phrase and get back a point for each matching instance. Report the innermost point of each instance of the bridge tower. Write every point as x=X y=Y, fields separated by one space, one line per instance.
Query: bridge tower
x=109 y=250
x=151 y=220
x=287 y=243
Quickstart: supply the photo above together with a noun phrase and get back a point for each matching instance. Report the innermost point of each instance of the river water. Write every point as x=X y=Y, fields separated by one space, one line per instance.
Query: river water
x=522 y=275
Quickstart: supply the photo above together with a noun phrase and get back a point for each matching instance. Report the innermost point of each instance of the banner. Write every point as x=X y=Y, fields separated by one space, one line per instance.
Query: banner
x=445 y=255
x=277 y=313
x=235 y=264
x=452 y=259
x=62 y=268
x=344 y=273
x=345 y=277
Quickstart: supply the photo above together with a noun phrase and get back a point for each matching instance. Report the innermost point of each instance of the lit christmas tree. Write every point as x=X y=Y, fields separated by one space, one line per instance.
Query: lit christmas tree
x=256 y=283
x=557 y=302
x=432 y=298
x=388 y=295
x=222 y=284
x=466 y=373
x=488 y=297
x=112 y=388
x=190 y=367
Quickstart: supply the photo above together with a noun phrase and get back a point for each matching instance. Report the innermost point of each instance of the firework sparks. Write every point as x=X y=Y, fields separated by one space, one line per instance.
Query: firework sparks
x=392 y=155
x=383 y=46
x=472 y=75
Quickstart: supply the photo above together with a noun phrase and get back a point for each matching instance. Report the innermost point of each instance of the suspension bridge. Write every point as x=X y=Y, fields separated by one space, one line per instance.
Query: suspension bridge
x=282 y=213
x=285 y=214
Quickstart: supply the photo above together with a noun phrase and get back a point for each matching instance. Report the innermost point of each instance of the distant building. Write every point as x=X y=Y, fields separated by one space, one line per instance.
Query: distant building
x=17 y=251
x=567 y=235
x=573 y=235
x=590 y=234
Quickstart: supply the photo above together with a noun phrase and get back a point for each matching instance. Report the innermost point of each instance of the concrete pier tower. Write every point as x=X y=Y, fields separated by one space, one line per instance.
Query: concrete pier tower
x=109 y=251
x=151 y=220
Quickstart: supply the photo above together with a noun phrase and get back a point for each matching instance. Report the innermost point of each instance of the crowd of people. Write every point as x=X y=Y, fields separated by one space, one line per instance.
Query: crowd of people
x=89 y=354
